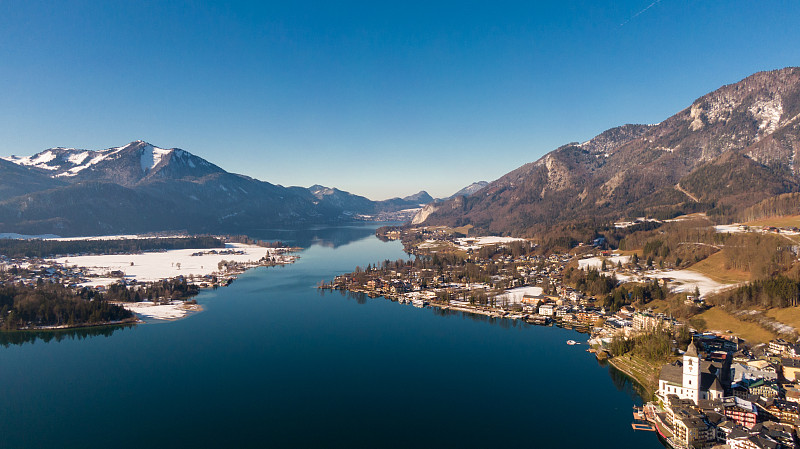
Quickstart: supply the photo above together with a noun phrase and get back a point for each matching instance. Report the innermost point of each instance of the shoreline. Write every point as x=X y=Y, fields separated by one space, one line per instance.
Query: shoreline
x=200 y=268
x=643 y=387
x=168 y=311
x=641 y=384
x=131 y=321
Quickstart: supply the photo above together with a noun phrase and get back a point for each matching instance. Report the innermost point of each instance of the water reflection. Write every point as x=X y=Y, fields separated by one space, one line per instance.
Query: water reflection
x=327 y=236
x=362 y=298
x=624 y=383
x=19 y=338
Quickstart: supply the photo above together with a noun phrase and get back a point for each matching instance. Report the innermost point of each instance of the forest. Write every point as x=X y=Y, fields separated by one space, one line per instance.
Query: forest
x=49 y=304
x=15 y=248
x=613 y=294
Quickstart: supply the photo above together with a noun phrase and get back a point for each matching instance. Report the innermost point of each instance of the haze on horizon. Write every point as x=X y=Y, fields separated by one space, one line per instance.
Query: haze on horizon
x=380 y=100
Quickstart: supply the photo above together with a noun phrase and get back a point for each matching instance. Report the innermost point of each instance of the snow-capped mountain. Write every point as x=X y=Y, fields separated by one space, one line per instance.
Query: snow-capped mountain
x=140 y=187
x=126 y=165
x=470 y=189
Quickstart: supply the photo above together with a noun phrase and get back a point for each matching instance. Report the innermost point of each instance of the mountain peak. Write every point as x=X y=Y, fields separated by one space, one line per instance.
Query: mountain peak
x=419 y=197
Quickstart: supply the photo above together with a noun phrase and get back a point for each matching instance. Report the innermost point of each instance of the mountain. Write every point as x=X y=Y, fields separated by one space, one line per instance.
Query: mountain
x=470 y=189
x=728 y=150
x=140 y=187
x=16 y=180
x=340 y=199
x=127 y=166
x=409 y=202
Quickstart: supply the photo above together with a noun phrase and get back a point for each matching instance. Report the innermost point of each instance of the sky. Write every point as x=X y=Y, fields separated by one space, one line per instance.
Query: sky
x=377 y=98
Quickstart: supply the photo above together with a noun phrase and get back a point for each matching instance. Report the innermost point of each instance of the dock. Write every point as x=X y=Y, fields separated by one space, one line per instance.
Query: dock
x=641 y=421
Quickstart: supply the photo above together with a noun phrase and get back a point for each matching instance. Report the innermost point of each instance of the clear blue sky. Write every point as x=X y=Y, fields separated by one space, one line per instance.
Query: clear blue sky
x=378 y=98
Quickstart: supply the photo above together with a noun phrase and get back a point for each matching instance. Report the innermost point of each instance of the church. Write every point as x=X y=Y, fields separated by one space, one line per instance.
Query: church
x=694 y=378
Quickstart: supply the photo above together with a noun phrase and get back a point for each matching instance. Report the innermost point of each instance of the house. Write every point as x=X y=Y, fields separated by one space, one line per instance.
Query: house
x=533 y=300
x=546 y=309
x=779 y=347
x=764 y=388
x=790 y=368
x=752 y=372
x=742 y=439
x=742 y=411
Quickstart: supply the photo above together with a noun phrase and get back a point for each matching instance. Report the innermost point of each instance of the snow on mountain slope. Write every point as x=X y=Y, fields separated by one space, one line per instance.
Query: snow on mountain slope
x=40 y=160
x=65 y=162
x=152 y=156
x=133 y=162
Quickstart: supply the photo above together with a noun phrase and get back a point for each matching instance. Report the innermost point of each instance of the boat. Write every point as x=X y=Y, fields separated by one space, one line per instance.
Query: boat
x=572 y=342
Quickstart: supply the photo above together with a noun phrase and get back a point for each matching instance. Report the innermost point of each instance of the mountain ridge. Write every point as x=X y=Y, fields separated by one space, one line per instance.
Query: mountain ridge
x=140 y=187
x=745 y=131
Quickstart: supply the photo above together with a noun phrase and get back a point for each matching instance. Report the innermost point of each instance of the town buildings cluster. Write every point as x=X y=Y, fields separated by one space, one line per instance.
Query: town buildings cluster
x=719 y=393
x=722 y=393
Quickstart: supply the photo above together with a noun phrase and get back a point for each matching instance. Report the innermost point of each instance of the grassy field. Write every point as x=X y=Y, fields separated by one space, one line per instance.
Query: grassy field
x=720 y=320
x=713 y=266
x=643 y=372
x=784 y=221
x=788 y=315
x=658 y=306
x=463 y=229
x=629 y=252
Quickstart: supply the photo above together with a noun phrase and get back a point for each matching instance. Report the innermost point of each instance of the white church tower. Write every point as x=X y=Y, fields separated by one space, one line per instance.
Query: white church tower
x=691 y=373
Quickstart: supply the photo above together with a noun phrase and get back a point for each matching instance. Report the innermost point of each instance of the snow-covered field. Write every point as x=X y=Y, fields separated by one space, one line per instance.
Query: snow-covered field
x=153 y=266
x=682 y=281
x=597 y=262
x=514 y=296
x=730 y=229
x=171 y=311
x=119 y=237
x=479 y=242
x=737 y=228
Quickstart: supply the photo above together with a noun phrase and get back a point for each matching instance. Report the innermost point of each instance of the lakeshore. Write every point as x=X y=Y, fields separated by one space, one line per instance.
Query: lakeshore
x=155 y=284
x=734 y=392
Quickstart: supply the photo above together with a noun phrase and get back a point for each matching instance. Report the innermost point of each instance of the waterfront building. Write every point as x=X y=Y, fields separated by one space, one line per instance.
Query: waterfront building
x=546 y=309
x=690 y=427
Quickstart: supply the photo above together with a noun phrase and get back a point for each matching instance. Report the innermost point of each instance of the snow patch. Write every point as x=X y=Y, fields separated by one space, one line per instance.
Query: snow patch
x=170 y=311
x=514 y=296
x=152 y=156
x=768 y=113
x=78 y=159
x=596 y=263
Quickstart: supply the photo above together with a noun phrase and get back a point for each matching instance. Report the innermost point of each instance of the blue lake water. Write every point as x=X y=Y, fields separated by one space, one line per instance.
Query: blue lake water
x=273 y=362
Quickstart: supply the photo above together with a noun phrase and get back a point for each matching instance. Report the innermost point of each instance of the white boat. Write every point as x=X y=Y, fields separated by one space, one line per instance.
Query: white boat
x=572 y=342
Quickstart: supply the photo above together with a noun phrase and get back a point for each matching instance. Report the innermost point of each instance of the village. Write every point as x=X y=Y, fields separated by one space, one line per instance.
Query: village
x=721 y=391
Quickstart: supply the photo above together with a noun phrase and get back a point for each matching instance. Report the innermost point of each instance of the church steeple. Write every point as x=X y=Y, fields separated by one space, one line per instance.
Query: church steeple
x=691 y=350
x=691 y=372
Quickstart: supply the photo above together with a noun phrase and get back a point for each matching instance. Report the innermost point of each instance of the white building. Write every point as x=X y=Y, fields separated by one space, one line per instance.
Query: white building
x=693 y=379
x=546 y=309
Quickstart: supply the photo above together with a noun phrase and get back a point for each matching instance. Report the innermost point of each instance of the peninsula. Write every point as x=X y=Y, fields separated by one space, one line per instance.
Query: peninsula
x=62 y=283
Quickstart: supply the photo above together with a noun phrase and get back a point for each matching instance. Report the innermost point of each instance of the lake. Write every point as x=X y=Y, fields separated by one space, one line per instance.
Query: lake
x=274 y=362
